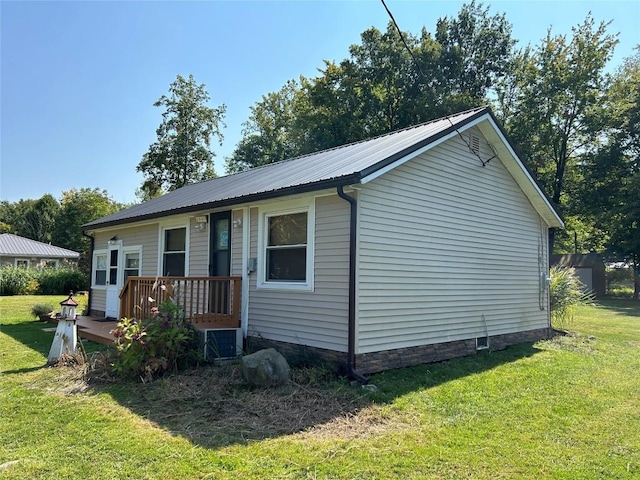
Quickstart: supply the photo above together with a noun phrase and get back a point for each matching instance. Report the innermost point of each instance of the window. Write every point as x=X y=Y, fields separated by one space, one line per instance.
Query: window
x=22 y=263
x=286 y=246
x=174 y=253
x=51 y=264
x=286 y=251
x=131 y=264
x=100 y=267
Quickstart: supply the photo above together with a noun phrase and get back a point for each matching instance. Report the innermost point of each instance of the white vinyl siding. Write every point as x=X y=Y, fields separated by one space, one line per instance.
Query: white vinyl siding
x=318 y=318
x=144 y=236
x=198 y=249
x=446 y=245
x=236 y=243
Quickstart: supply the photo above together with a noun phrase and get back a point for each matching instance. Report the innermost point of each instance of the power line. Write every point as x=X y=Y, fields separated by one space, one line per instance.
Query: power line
x=415 y=62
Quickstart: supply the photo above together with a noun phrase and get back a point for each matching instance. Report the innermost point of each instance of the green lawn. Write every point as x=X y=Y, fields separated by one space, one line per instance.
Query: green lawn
x=565 y=408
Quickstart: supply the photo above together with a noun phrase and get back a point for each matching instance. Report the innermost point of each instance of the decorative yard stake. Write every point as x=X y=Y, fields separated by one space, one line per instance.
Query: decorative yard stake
x=66 y=337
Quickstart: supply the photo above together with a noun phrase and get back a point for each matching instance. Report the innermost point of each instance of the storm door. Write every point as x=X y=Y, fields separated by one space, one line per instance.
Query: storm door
x=113 y=282
x=220 y=260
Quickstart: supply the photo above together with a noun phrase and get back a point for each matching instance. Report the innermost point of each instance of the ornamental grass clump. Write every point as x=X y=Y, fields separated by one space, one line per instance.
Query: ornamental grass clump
x=151 y=347
x=566 y=292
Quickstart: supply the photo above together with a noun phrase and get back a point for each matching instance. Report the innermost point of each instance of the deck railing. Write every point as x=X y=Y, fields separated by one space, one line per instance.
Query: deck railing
x=207 y=302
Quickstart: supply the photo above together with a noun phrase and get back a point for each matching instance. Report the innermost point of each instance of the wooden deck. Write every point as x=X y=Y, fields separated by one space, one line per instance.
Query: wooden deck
x=96 y=329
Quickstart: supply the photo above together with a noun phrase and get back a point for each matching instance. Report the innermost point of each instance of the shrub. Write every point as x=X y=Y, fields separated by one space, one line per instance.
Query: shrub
x=61 y=281
x=17 y=281
x=41 y=309
x=151 y=347
x=566 y=291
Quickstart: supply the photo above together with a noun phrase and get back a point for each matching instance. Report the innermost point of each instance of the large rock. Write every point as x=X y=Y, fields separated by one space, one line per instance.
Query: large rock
x=265 y=368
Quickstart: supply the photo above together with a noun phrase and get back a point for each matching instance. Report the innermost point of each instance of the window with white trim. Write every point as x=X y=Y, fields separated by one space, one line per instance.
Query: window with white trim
x=174 y=252
x=50 y=264
x=100 y=269
x=131 y=264
x=22 y=263
x=286 y=249
x=286 y=246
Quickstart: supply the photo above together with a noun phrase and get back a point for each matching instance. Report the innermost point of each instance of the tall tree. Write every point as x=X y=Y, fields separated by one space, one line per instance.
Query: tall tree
x=388 y=82
x=612 y=174
x=553 y=109
x=77 y=207
x=13 y=215
x=182 y=153
x=268 y=133
x=40 y=220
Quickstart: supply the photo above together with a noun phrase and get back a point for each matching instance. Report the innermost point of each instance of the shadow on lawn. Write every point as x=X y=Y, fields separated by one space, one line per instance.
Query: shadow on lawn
x=622 y=306
x=213 y=407
x=31 y=335
x=396 y=383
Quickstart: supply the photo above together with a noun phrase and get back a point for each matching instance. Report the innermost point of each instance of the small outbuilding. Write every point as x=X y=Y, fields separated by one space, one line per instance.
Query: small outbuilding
x=589 y=269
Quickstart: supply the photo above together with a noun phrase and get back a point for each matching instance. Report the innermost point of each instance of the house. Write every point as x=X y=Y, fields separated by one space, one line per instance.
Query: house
x=589 y=268
x=416 y=246
x=25 y=253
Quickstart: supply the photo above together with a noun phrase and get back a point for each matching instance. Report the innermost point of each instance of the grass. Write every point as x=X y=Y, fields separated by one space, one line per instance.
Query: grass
x=563 y=408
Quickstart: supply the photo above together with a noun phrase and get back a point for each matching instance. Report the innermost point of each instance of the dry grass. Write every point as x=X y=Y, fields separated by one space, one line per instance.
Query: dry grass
x=214 y=406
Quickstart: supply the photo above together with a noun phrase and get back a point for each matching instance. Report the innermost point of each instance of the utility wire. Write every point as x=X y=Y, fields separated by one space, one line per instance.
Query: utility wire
x=415 y=62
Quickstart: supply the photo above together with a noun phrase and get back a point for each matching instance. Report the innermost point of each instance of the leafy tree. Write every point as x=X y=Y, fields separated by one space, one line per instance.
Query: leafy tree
x=551 y=106
x=182 y=153
x=77 y=207
x=267 y=134
x=612 y=174
x=388 y=82
x=477 y=49
x=13 y=214
x=39 y=220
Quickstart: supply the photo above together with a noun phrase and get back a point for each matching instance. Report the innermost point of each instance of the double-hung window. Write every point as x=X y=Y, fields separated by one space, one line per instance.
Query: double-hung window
x=286 y=249
x=286 y=246
x=100 y=269
x=131 y=264
x=174 y=252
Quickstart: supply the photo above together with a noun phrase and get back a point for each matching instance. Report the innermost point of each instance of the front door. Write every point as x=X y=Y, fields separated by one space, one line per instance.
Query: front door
x=220 y=260
x=113 y=282
x=220 y=263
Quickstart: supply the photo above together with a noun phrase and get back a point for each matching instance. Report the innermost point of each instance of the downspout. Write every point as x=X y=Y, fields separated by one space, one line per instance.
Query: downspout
x=91 y=247
x=351 y=347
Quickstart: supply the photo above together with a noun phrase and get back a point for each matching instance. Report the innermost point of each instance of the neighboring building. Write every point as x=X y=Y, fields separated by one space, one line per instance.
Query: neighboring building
x=415 y=246
x=589 y=268
x=26 y=253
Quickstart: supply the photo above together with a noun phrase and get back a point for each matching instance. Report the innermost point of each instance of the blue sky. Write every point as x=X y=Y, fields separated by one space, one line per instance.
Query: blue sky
x=79 y=79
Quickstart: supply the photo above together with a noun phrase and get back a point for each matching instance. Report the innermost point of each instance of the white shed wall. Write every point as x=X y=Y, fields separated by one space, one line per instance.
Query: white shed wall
x=448 y=250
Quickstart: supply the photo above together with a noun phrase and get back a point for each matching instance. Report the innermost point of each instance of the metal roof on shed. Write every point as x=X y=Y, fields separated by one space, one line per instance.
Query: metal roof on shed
x=16 y=246
x=343 y=165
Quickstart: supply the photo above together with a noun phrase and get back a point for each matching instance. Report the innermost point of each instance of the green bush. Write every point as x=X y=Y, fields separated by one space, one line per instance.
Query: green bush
x=149 y=348
x=17 y=281
x=566 y=292
x=41 y=309
x=48 y=281
x=61 y=281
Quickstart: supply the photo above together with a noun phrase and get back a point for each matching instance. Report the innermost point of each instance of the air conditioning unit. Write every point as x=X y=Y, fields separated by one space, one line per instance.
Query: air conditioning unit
x=221 y=343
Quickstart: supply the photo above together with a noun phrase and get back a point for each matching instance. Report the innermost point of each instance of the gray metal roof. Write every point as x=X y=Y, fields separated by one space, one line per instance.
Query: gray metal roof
x=15 y=246
x=344 y=165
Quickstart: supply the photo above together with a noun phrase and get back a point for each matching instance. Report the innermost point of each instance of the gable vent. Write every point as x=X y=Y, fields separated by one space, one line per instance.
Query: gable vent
x=474 y=143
